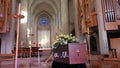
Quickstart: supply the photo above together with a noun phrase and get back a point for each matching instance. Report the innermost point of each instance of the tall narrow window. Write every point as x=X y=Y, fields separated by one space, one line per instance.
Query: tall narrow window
x=44 y=38
x=44 y=32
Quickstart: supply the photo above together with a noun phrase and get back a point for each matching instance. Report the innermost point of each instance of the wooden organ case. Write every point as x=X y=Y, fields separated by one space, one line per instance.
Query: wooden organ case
x=111 y=19
x=5 y=15
x=111 y=14
x=87 y=15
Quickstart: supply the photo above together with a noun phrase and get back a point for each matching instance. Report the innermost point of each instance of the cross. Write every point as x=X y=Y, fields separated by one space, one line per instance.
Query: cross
x=18 y=17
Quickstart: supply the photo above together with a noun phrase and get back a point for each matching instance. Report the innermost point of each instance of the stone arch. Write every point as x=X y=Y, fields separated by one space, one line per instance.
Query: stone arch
x=39 y=5
x=44 y=14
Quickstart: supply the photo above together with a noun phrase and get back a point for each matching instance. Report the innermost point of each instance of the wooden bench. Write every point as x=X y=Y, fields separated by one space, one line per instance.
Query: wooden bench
x=7 y=57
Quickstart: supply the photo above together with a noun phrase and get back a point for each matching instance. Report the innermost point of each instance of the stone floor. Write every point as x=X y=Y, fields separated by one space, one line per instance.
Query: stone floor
x=26 y=63
x=103 y=64
x=33 y=63
x=91 y=64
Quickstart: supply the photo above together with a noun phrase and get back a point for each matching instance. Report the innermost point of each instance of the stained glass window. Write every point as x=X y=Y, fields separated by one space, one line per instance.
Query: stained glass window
x=44 y=21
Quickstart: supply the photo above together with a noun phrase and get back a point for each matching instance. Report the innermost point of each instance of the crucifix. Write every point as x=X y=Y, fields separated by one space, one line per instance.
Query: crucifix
x=17 y=16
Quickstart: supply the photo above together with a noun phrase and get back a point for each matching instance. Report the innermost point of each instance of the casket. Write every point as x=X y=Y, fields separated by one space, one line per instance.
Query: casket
x=72 y=53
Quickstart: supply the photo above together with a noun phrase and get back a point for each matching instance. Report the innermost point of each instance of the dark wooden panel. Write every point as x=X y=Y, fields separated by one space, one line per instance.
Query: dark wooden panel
x=73 y=53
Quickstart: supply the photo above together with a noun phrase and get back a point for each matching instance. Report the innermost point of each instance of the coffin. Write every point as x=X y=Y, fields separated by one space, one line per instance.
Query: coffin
x=73 y=53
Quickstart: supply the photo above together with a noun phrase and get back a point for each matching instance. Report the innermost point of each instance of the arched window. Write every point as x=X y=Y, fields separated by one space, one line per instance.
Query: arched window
x=44 y=32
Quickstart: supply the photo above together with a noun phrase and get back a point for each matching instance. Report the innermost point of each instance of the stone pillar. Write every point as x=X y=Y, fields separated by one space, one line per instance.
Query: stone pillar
x=75 y=8
x=104 y=49
x=23 y=23
x=64 y=16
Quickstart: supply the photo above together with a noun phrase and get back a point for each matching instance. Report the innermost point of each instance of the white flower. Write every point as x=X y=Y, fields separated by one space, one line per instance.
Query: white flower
x=65 y=39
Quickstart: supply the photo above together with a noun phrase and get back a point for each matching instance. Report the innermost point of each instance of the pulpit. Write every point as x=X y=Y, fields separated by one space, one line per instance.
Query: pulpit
x=71 y=55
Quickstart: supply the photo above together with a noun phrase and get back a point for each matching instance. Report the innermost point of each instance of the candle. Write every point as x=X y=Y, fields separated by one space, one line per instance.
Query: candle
x=31 y=30
x=88 y=30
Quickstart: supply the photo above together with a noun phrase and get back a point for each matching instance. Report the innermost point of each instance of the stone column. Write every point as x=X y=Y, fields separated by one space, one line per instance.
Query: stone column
x=64 y=16
x=104 y=49
x=23 y=23
x=75 y=11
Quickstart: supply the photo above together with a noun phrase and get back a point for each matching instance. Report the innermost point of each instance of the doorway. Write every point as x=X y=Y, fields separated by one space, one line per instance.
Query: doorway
x=94 y=43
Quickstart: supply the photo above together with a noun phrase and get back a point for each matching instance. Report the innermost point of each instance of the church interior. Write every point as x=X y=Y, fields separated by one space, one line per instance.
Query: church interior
x=29 y=29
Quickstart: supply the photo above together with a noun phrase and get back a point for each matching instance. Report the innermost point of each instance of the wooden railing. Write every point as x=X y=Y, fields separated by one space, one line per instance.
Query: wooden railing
x=25 y=52
x=7 y=57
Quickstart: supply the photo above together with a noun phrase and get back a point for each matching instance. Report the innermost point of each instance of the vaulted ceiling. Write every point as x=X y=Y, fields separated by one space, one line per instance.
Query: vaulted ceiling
x=40 y=8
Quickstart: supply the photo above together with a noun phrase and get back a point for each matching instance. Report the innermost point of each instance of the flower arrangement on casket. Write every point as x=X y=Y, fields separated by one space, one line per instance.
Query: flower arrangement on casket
x=64 y=39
